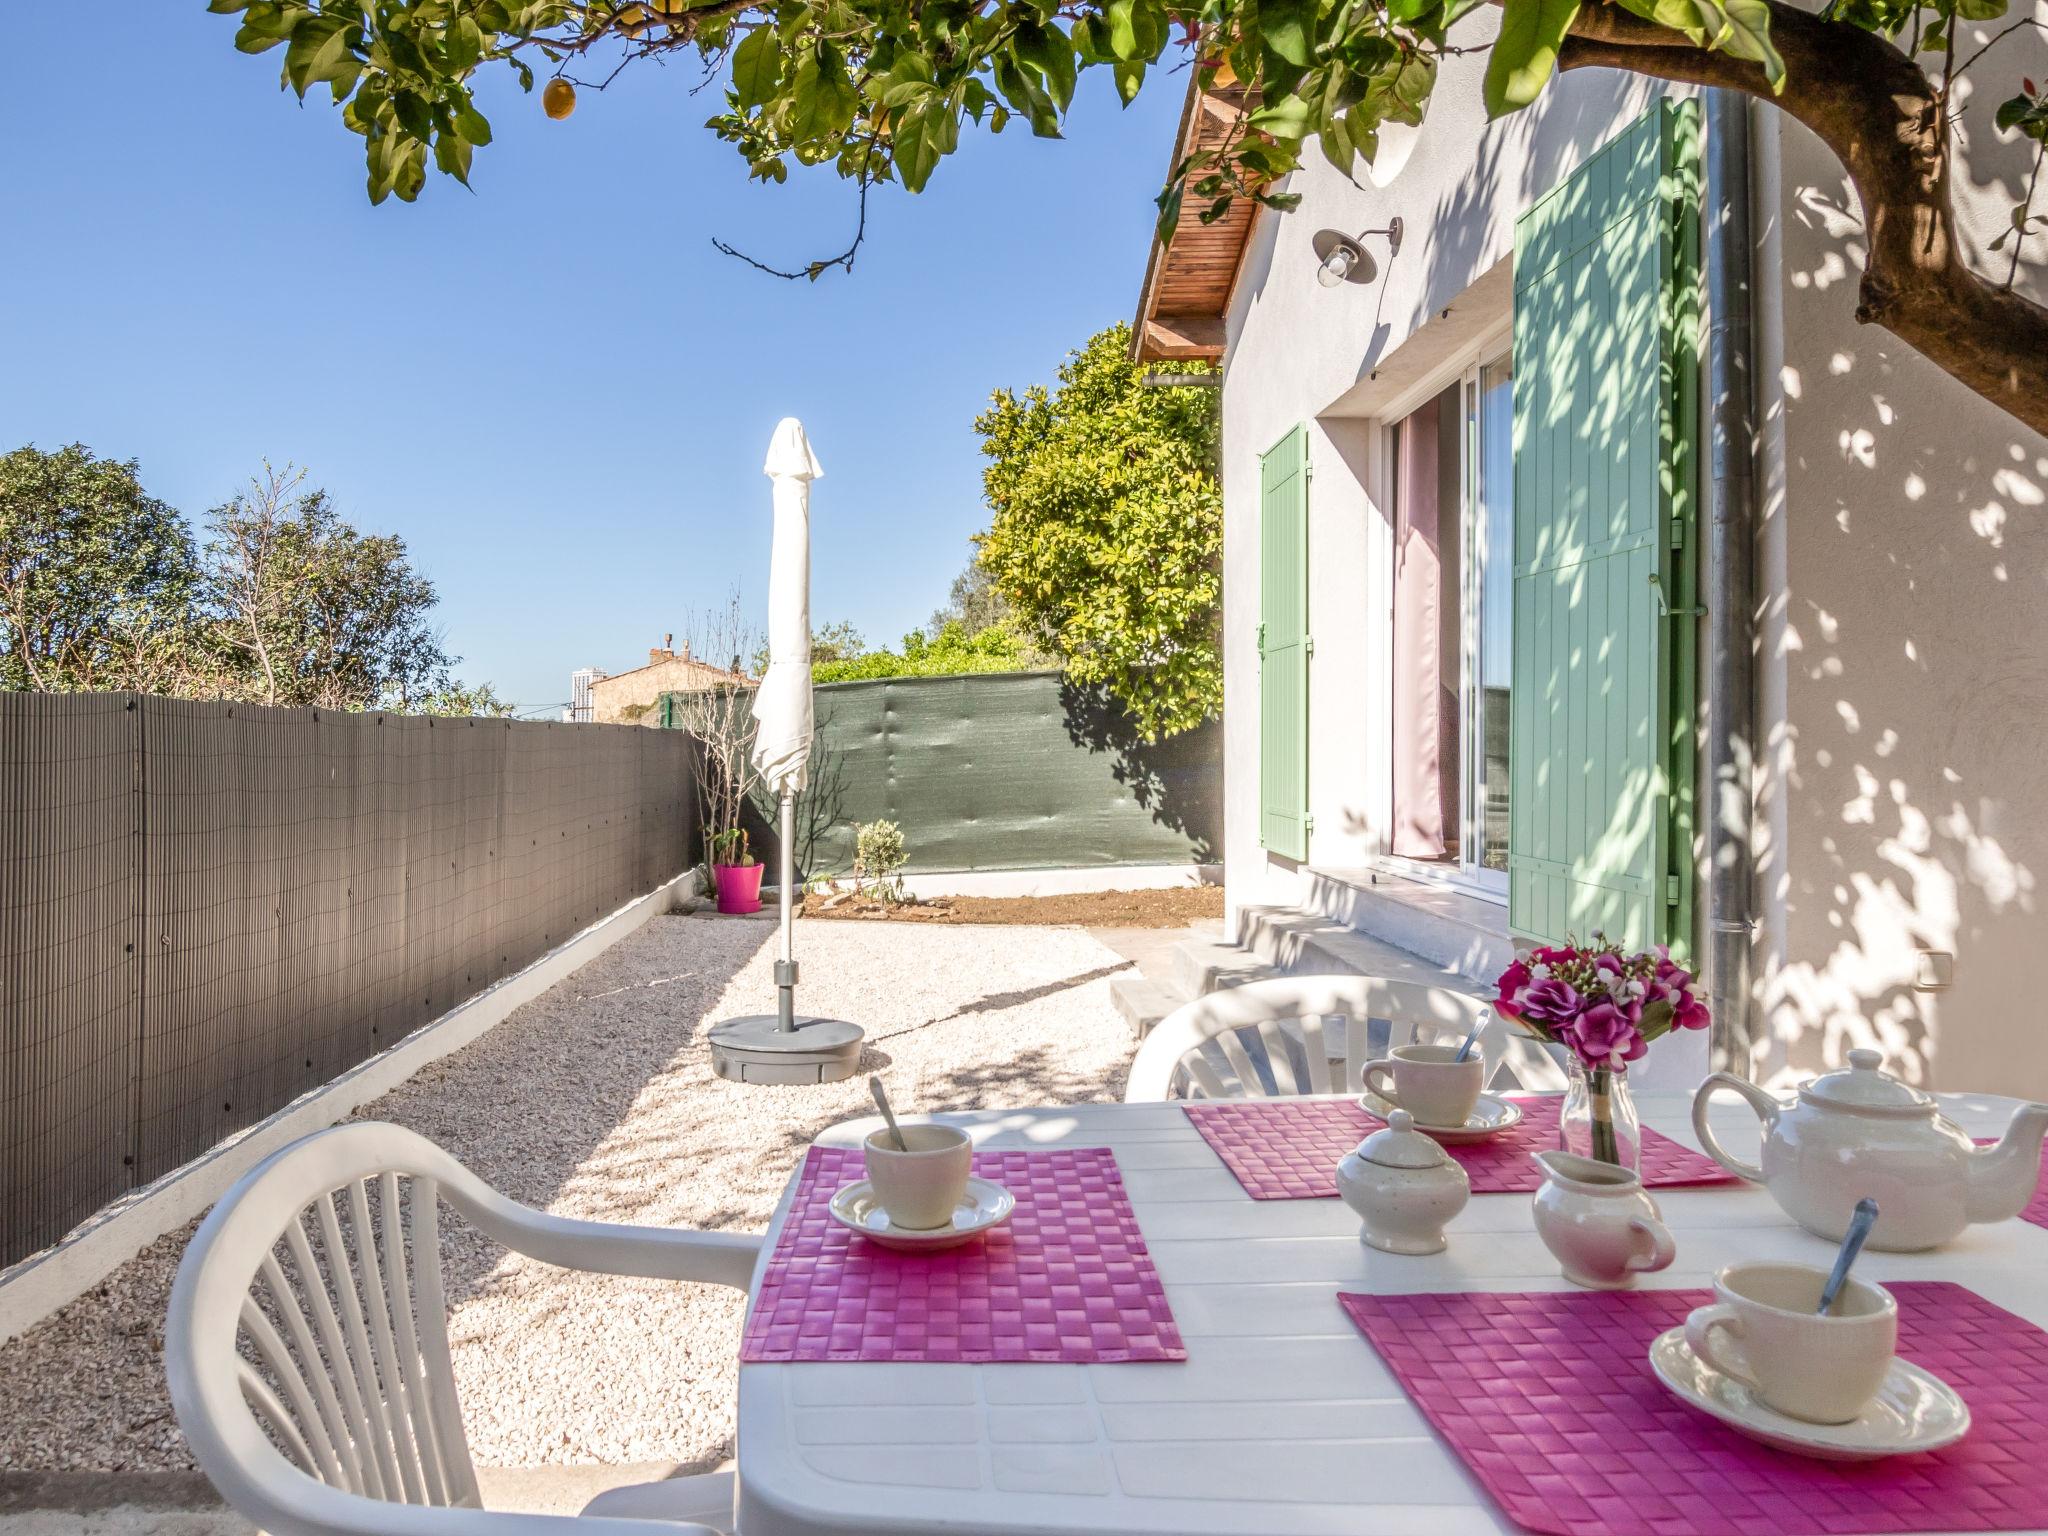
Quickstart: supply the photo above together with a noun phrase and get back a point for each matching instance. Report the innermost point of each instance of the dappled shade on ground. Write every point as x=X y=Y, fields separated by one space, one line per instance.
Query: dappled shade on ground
x=597 y=1100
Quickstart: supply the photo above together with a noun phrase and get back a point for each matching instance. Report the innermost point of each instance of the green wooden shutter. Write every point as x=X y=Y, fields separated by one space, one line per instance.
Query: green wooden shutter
x=1601 y=734
x=1284 y=647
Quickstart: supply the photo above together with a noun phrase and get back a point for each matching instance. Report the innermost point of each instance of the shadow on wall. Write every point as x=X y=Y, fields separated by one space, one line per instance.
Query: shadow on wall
x=1173 y=779
x=1912 y=759
x=1520 y=158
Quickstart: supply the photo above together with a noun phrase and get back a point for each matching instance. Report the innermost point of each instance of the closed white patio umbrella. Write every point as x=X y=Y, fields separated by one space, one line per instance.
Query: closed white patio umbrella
x=782 y=707
x=780 y=1047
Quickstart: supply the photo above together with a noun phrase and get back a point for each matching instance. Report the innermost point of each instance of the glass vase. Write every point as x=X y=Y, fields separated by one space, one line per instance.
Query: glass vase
x=1598 y=1119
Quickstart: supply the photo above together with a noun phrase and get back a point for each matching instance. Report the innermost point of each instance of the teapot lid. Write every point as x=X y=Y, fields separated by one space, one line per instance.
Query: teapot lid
x=1865 y=1085
x=1397 y=1144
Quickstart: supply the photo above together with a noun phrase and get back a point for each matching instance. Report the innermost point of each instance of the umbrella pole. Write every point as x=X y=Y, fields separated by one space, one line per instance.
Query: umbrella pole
x=785 y=968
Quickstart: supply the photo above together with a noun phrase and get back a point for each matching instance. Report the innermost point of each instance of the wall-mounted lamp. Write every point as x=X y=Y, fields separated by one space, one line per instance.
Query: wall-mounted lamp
x=1344 y=258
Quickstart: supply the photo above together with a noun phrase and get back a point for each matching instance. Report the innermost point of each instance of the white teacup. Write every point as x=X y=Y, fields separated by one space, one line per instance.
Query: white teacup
x=920 y=1188
x=1767 y=1332
x=1429 y=1082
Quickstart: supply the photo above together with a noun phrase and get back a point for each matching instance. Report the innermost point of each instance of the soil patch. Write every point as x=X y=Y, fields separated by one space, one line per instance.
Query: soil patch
x=1174 y=908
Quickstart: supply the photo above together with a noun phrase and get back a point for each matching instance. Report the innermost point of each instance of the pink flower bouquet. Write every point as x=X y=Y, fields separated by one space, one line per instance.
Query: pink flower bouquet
x=1605 y=1008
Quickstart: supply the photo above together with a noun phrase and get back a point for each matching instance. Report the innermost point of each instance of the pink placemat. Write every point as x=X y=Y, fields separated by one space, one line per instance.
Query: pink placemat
x=1288 y=1149
x=1067 y=1278
x=2037 y=1208
x=1549 y=1400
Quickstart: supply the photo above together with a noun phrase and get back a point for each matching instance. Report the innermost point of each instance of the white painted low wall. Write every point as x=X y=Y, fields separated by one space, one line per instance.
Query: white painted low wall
x=1062 y=882
x=37 y=1286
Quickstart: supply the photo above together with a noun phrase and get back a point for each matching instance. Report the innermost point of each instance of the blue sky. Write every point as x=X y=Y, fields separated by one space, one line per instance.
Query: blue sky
x=554 y=389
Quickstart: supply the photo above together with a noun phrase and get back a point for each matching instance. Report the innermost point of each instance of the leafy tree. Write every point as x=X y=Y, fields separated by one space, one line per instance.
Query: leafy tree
x=973 y=603
x=96 y=575
x=103 y=587
x=880 y=91
x=838 y=641
x=953 y=650
x=1107 y=538
x=456 y=698
x=318 y=612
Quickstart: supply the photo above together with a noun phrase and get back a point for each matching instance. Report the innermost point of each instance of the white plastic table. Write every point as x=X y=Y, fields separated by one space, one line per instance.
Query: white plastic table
x=1282 y=1420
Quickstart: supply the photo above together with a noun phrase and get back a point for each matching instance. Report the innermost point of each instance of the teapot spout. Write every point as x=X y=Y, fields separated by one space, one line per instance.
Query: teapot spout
x=2003 y=1176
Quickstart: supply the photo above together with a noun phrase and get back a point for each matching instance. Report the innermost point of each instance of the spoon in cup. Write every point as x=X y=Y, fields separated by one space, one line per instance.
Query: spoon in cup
x=1860 y=1223
x=882 y=1103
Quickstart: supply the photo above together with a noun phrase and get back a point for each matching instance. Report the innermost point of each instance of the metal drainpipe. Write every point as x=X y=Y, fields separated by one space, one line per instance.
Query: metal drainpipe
x=1729 y=581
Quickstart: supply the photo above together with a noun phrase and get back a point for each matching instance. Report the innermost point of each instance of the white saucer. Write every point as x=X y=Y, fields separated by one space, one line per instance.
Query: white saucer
x=984 y=1205
x=1489 y=1117
x=1913 y=1411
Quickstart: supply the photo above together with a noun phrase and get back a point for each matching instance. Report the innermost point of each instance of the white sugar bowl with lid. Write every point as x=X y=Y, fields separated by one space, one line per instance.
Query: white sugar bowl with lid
x=1403 y=1186
x=1860 y=1131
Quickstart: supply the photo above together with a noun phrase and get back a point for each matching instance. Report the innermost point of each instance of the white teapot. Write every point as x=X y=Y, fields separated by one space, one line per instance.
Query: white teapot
x=1860 y=1131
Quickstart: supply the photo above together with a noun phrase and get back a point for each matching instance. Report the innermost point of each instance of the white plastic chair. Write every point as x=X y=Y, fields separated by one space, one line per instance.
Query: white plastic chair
x=307 y=1342
x=1186 y=1038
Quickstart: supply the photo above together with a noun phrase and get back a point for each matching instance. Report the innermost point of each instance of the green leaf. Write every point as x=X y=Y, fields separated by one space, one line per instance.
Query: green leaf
x=319 y=51
x=473 y=126
x=1287 y=117
x=1129 y=78
x=1169 y=212
x=757 y=67
x=451 y=154
x=1123 y=36
x=1681 y=16
x=465 y=45
x=1091 y=39
x=412 y=172
x=822 y=98
x=1289 y=28
x=1525 y=53
x=1047 y=50
x=252 y=40
x=1742 y=29
x=1335 y=139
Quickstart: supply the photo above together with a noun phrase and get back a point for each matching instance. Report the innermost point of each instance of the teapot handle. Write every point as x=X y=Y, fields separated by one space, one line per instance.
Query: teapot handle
x=1765 y=1106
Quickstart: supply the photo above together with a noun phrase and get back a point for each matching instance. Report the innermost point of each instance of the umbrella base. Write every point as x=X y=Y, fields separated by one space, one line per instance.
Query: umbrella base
x=755 y=1049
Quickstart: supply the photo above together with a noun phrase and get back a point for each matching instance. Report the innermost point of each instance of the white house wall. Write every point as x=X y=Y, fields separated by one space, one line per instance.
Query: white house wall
x=1906 y=806
x=1296 y=350
x=1904 y=675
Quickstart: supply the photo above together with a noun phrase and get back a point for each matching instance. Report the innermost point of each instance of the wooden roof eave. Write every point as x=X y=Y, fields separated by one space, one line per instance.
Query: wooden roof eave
x=1185 y=297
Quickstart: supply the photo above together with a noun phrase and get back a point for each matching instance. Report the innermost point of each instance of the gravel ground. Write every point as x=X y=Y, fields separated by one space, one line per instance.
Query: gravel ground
x=597 y=1100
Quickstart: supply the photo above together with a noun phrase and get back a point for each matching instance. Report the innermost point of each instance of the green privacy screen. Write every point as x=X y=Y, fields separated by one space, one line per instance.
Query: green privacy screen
x=1284 y=647
x=1606 y=335
x=1008 y=770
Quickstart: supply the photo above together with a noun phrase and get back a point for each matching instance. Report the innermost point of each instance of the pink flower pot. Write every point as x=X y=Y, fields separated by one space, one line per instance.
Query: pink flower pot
x=739 y=887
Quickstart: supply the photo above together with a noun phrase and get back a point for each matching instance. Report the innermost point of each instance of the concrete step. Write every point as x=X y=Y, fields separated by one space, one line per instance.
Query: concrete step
x=1142 y=1002
x=1204 y=965
x=1291 y=941
x=1460 y=933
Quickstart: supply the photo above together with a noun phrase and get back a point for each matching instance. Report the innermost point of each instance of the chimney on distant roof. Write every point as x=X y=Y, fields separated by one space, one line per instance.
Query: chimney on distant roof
x=656 y=654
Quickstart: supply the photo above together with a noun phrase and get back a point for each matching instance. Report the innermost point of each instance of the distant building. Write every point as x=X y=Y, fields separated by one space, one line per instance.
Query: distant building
x=629 y=698
x=581 y=681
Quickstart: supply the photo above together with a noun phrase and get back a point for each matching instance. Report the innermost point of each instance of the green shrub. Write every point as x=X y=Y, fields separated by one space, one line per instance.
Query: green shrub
x=877 y=855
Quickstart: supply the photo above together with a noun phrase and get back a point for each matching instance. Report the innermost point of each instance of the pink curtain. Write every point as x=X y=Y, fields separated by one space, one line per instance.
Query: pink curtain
x=1425 y=757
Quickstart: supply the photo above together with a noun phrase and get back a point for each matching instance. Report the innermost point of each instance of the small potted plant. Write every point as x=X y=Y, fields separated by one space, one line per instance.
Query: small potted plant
x=1602 y=1008
x=736 y=872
